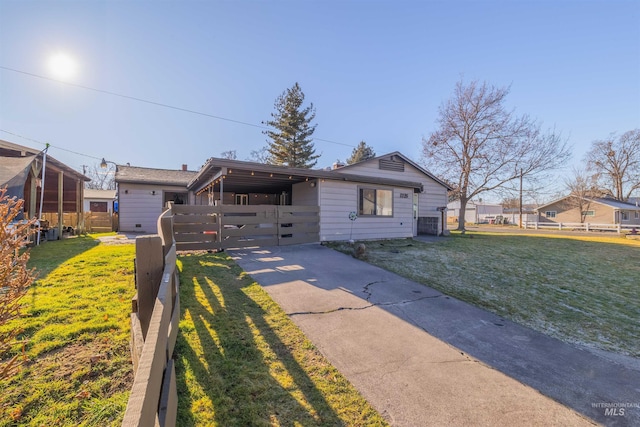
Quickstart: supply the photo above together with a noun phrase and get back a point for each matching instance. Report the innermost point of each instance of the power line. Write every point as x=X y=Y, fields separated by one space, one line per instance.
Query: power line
x=50 y=145
x=158 y=104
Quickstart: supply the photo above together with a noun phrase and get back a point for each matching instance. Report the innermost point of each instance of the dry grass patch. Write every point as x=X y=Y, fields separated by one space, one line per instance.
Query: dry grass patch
x=581 y=289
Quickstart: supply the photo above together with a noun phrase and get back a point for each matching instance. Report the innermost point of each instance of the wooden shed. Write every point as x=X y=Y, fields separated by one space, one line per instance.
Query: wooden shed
x=21 y=172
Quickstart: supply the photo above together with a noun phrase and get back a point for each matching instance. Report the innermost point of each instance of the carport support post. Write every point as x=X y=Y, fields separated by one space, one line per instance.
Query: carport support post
x=60 y=203
x=149 y=265
x=221 y=189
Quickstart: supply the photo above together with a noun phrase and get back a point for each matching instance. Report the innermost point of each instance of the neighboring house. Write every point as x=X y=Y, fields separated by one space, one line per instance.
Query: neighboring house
x=475 y=213
x=594 y=211
x=99 y=206
x=99 y=200
x=21 y=172
x=144 y=192
x=392 y=196
x=513 y=214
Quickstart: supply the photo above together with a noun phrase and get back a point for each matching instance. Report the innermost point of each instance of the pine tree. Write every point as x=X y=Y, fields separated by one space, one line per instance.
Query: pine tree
x=291 y=143
x=360 y=153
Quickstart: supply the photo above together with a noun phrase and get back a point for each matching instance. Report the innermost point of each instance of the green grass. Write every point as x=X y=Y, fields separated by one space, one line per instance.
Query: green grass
x=582 y=289
x=242 y=362
x=75 y=336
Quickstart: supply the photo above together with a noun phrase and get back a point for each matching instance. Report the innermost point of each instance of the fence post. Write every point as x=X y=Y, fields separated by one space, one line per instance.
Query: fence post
x=149 y=266
x=619 y=228
x=586 y=225
x=165 y=228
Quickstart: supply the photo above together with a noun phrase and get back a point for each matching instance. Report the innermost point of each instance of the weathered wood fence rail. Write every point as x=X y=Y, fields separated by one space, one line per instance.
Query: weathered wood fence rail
x=232 y=226
x=156 y=307
x=154 y=330
x=569 y=226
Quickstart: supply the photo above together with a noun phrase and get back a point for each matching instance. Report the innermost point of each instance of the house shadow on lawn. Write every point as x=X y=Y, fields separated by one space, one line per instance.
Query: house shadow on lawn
x=233 y=369
x=49 y=255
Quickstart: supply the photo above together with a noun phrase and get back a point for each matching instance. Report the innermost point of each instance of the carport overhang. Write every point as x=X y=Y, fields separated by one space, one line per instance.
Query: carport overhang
x=234 y=176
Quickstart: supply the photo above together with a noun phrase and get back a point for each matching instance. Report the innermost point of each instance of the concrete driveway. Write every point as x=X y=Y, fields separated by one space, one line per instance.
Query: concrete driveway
x=422 y=358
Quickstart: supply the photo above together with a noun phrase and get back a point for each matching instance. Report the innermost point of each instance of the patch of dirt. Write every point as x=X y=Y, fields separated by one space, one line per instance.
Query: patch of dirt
x=84 y=361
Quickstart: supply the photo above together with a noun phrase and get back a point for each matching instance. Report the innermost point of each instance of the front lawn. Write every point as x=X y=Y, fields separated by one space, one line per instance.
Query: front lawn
x=242 y=362
x=75 y=337
x=582 y=289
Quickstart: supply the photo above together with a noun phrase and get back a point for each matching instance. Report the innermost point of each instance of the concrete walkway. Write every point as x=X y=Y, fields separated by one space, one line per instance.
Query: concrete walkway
x=424 y=359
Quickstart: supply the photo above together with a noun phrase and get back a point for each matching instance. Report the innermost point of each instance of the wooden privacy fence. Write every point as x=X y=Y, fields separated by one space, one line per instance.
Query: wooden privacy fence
x=99 y=222
x=154 y=330
x=94 y=222
x=571 y=226
x=233 y=226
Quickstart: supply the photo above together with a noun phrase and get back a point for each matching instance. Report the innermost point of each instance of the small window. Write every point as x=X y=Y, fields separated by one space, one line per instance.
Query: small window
x=242 y=199
x=550 y=214
x=589 y=213
x=636 y=215
x=376 y=202
x=98 y=206
x=624 y=215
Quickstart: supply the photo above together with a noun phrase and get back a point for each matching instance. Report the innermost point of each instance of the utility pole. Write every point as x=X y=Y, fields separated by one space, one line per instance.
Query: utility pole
x=520 y=197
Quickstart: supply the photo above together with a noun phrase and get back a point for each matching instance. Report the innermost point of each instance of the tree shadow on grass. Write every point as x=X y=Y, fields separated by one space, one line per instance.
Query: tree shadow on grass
x=233 y=368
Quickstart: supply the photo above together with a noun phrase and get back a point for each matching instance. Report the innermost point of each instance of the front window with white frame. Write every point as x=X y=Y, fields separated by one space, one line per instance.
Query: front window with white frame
x=550 y=214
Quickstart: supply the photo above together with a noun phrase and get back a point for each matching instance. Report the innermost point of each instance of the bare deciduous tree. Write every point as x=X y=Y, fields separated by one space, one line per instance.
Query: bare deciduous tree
x=15 y=277
x=583 y=188
x=101 y=179
x=260 y=156
x=616 y=162
x=230 y=155
x=480 y=146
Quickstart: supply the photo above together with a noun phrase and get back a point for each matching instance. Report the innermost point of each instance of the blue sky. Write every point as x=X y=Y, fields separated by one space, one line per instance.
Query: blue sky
x=375 y=71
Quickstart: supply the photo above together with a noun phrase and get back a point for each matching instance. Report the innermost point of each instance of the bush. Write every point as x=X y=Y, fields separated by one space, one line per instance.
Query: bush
x=15 y=278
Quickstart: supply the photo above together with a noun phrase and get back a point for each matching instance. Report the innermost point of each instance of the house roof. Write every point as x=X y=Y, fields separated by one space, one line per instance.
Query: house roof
x=408 y=160
x=139 y=175
x=99 y=194
x=615 y=204
x=471 y=204
x=11 y=150
x=251 y=177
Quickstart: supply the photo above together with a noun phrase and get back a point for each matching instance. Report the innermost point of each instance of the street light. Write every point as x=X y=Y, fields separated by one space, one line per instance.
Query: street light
x=103 y=163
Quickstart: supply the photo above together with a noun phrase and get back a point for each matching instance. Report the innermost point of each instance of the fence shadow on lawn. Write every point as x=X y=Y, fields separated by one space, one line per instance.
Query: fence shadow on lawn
x=231 y=369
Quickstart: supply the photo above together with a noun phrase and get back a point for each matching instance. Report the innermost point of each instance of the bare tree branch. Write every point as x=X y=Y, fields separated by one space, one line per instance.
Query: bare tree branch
x=616 y=163
x=481 y=146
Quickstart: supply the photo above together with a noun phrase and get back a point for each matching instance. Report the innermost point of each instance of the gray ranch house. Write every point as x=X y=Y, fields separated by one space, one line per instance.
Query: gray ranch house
x=143 y=194
x=389 y=196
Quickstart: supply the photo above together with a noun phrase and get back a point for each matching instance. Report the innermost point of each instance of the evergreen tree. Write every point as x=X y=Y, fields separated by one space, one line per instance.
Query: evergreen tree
x=291 y=143
x=360 y=153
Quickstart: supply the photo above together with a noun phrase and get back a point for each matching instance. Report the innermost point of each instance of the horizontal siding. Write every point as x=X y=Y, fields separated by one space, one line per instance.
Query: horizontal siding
x=434 y=195
x=138 y=206
x=371 y=168
x=338 y=199
x=303 y=194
